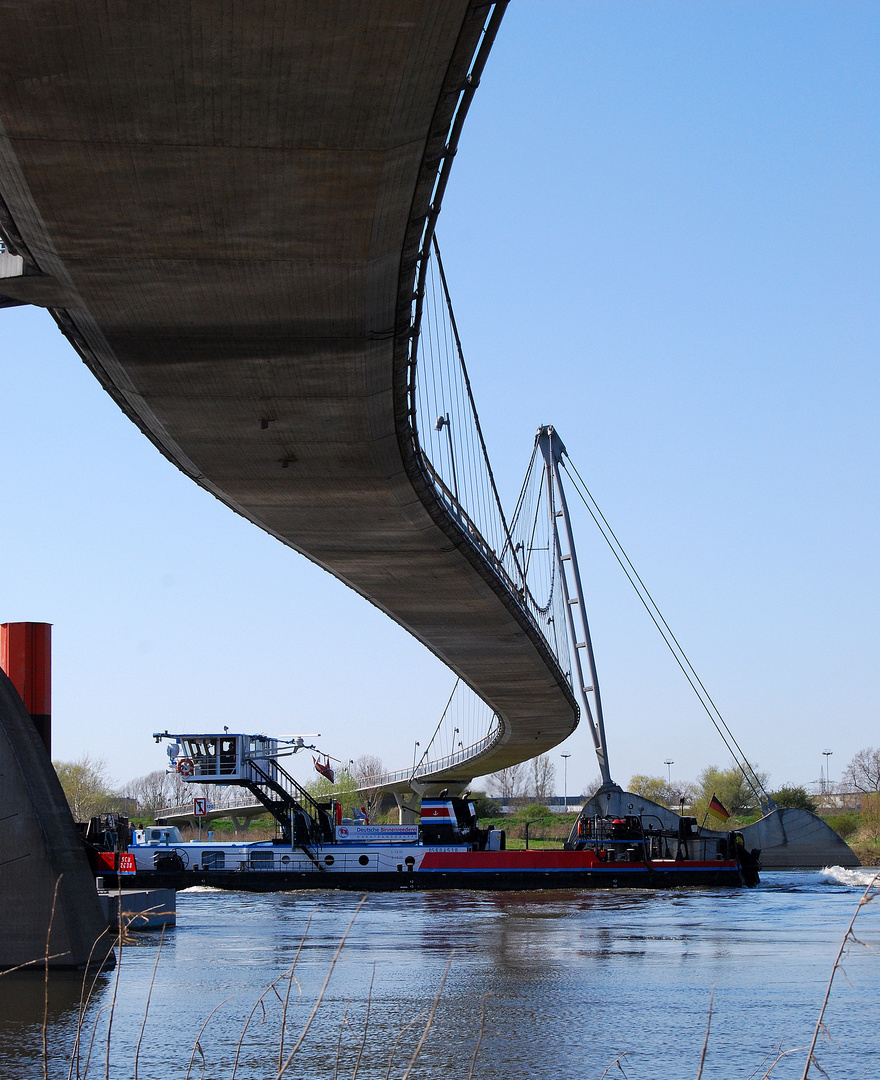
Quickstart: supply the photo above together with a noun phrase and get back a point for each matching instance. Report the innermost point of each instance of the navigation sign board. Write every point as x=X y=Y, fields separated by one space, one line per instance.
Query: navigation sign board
x=200 y=807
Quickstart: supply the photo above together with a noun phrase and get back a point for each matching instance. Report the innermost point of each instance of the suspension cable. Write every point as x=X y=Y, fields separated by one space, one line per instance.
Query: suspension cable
x=681 y=658
x=473 y=405
x=436 y=729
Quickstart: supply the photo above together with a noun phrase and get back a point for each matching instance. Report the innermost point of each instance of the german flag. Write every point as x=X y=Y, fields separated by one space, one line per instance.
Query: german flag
x=717 y=809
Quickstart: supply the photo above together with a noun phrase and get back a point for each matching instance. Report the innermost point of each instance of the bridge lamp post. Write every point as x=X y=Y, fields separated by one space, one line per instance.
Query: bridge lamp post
x=824 y=784
x=668 y=763
x=439 y=424
x=415 y=748
x=565 y=758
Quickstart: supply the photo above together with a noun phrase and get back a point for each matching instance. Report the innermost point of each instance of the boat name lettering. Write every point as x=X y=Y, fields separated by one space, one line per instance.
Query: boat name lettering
x=356 y=833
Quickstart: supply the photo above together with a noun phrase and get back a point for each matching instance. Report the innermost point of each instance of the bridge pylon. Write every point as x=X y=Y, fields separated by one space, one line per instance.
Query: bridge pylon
x=552 y=450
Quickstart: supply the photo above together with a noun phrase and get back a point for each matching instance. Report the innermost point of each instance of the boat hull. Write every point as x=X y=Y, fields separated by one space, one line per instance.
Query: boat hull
x=475 y=871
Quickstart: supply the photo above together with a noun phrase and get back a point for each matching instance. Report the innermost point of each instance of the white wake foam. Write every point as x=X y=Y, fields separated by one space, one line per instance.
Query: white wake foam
x=840 y=875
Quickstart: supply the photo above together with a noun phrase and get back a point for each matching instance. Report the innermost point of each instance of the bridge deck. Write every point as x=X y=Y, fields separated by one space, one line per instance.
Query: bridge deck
x=227 y=200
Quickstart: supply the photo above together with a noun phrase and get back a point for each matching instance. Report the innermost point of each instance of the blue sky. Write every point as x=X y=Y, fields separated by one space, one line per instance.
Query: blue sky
x=661 y=235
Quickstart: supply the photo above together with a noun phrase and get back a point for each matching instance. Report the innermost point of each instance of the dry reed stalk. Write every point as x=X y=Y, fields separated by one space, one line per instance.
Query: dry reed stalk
x=286 y=975
x=46 y=982
x=339 y=1041
x=400 y=1035
x=706 y=1040
x=357 y=1063
x=867 y=897
x=488 y=993
x=780 y=1054
x=430 y=1019
x=777 y=1054
x=258 y=1002
x=137 y=1049
x=616 y=1062
x=84 y=1002
x=120 y=938
x=317 y=1005
x=290 y=982
x=29 y=964
x=103 y=1008
x=197 y=1044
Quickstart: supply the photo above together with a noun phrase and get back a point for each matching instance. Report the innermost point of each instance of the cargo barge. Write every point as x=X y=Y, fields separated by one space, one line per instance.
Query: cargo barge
x=319 y=849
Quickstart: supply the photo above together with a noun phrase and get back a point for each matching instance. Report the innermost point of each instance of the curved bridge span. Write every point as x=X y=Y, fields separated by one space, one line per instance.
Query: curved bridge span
x=226 y=207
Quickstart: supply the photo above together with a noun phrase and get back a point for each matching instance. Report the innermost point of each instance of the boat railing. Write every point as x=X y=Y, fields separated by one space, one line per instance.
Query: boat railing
x=628 y=840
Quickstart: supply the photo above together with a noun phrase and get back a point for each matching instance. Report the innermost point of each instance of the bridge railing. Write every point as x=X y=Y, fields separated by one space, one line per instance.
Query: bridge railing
x=232 y=799
x=442 y=417
x=502 y=566
x=451 y=450
x=426 y=769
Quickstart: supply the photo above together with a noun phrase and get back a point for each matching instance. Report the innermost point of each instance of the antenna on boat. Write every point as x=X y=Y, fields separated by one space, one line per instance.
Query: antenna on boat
x=552 y=448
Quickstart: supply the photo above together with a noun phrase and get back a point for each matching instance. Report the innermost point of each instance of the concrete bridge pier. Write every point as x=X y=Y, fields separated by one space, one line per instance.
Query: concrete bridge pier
x=408 y=812
x=48 y=897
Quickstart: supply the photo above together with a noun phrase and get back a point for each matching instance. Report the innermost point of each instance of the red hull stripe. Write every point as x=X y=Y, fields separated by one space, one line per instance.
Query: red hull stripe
x=548 y=861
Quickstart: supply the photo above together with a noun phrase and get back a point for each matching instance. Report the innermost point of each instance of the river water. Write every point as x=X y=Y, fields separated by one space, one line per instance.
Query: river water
x=495 y=985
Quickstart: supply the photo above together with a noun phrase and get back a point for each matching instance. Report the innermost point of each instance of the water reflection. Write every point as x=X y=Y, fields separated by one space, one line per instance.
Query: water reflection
x=542 y=982
x=27 y=999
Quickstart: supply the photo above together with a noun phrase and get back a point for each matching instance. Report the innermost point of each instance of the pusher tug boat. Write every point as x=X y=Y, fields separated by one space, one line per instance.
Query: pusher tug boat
x=319 y=849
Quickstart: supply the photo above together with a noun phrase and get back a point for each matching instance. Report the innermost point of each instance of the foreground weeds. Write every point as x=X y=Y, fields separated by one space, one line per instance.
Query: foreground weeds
x=257 y=1054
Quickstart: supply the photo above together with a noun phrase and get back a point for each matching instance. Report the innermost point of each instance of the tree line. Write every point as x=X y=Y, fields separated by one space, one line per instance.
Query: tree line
x=90 y=791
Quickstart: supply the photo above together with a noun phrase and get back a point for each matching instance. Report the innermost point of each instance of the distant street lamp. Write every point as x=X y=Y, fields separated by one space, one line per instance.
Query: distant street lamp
x=415 y=747
x=826 y=754
x=669 y=765
x=565 y=758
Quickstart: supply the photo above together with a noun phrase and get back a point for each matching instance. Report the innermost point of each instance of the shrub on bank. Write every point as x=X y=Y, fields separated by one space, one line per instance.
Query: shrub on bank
x=845 y=825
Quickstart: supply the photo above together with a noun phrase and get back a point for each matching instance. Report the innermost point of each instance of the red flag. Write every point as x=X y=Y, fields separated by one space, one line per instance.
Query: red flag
x=717 y=809
x=323 y=767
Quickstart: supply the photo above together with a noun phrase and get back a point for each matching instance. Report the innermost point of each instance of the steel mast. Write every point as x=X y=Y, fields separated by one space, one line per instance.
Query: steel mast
x=552 y=449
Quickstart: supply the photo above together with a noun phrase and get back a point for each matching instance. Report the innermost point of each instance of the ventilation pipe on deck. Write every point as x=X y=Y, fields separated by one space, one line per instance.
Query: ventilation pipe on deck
x=26 y=657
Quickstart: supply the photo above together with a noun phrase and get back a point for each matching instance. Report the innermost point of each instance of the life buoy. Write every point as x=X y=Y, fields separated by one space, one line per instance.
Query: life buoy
x=185 y=767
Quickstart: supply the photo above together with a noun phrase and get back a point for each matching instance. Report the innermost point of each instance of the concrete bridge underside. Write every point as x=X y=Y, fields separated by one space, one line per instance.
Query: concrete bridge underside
x=222 y=206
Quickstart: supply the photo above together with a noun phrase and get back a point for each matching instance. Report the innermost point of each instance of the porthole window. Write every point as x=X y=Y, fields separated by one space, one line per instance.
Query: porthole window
x=364 y=859
x=410 y=861
x=329 y=860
